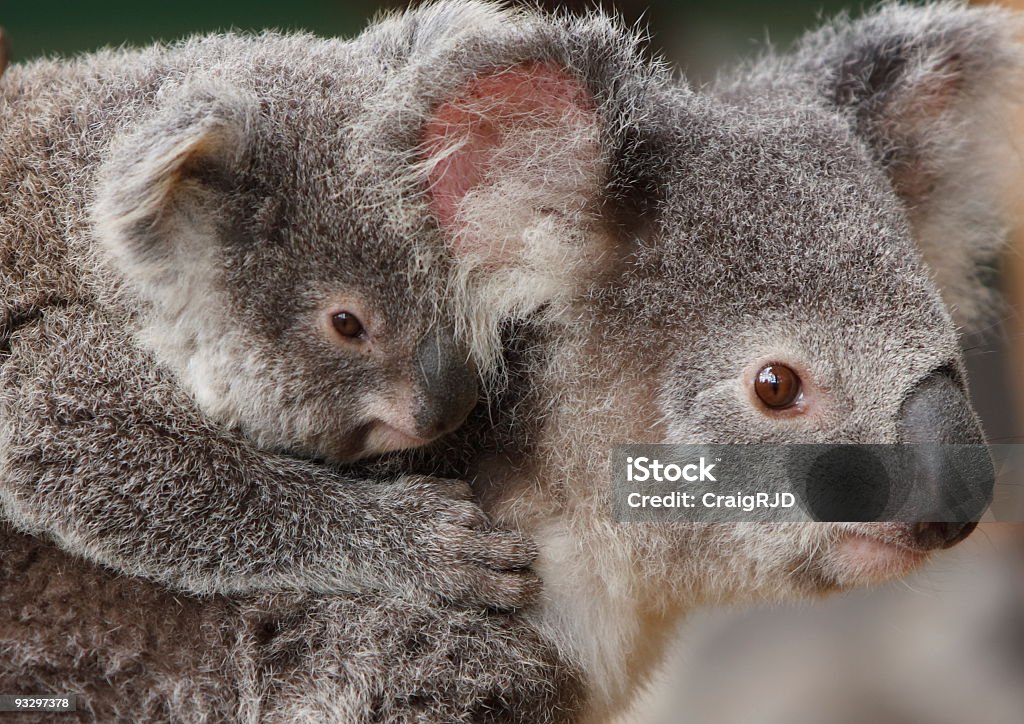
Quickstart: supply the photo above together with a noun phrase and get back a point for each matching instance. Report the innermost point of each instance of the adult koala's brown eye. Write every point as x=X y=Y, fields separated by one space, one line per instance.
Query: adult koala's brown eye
x=348 y=325
x=777 y=386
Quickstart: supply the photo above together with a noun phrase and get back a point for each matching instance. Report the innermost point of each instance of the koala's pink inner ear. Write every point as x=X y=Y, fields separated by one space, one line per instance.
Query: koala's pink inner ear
x=499 y=124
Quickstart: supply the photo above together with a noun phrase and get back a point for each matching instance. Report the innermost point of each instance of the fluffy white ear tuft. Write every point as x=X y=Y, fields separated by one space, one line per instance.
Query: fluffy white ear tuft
x=530 y=125
x=514 y=171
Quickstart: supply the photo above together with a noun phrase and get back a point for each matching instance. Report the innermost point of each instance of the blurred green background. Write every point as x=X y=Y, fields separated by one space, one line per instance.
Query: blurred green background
x=699 y=36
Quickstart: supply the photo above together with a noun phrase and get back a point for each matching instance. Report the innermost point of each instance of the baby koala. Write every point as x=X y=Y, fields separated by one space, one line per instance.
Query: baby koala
x=215 y=298
x=288 y=305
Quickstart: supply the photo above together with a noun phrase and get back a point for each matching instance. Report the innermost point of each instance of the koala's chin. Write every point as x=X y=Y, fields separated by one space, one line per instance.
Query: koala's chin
x=835 y=557
x=871 y=553
x=382 y=438
x=860 y=559
x=361 y=443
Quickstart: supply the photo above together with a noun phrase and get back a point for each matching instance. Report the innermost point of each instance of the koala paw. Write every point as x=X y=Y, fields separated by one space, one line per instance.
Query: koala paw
x=455 y=552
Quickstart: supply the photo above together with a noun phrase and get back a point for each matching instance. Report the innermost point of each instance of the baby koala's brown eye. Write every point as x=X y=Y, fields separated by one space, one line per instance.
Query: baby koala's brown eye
x=777 y=386
x=348 y=325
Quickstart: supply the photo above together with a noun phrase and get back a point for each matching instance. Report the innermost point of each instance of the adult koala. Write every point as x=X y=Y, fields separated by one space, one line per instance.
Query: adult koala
x=821 y=213
x=785 y=217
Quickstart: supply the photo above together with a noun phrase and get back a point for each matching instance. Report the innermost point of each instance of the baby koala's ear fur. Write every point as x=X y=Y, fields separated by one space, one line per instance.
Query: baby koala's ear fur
x=935 y=92
x=152 y=212
x=514 y=172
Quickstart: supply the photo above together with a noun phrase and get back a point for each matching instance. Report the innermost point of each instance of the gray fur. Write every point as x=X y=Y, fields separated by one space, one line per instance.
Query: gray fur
x=757 y=221
x=134 y=651
x=791 y=215
x=176 y=224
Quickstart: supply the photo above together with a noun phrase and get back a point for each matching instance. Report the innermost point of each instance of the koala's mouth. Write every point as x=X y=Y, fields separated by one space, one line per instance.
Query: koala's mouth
x=868 y=553
x=862 y=558
x=371 y=440
x=382 y=438
x=865 y=554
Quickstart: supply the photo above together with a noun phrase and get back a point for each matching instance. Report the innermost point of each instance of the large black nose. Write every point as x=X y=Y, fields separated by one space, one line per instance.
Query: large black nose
x=940 y=535
x=952 y=473
x=447 y=389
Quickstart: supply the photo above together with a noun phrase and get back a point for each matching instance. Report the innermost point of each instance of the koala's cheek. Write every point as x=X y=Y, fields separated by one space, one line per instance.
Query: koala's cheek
x=210 y=391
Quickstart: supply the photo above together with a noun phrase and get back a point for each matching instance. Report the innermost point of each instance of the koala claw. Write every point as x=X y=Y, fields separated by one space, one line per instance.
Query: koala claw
x=463 y=558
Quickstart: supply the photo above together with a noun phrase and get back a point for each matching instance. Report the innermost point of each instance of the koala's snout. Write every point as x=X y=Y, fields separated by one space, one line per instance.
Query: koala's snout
x=437 y=391
x=446 y=389
x=954 y=484
x=937 y=411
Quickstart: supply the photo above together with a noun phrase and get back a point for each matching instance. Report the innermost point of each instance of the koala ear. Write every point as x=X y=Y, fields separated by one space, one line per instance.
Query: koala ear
x=513 y=170
x=933 y=91
x=153 y=195
x=513 y=166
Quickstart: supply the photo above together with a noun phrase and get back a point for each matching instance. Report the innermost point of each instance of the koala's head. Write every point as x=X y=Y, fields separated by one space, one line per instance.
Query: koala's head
x=273 y=282
x=822 y=225
x=788 y=251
